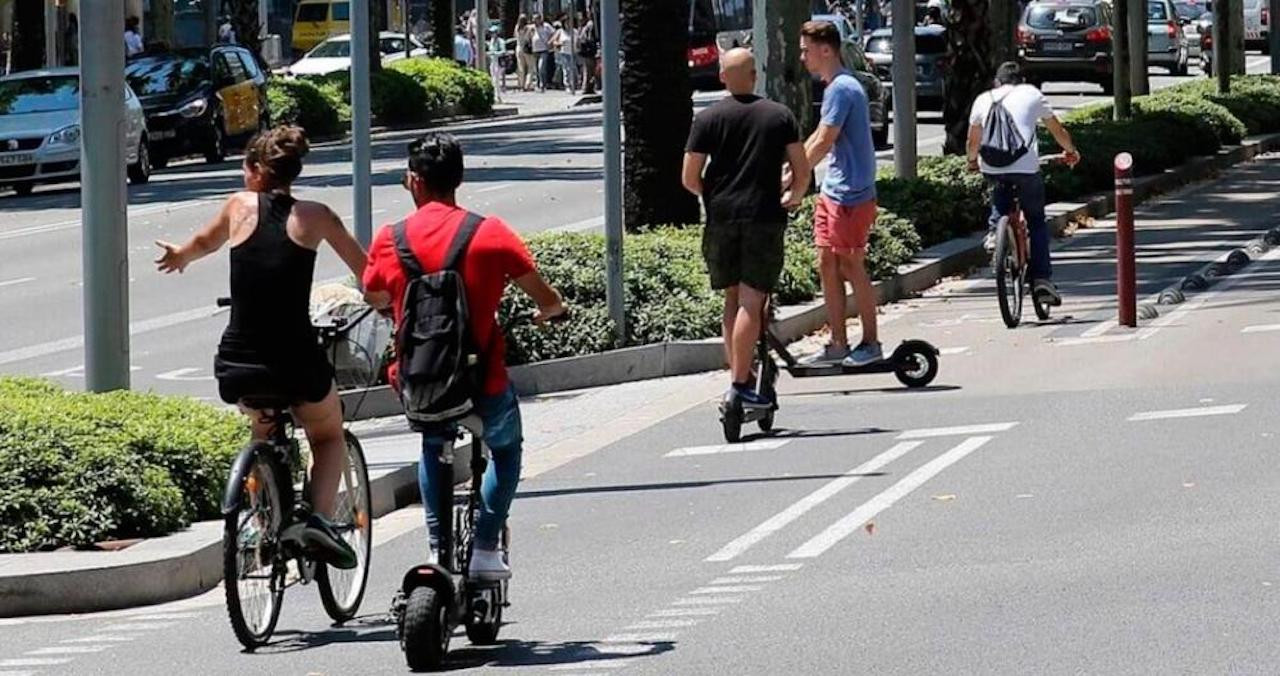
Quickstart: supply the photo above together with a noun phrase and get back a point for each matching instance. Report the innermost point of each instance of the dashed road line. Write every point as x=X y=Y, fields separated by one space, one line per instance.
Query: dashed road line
x=685 y=612
x=1230 y=409
x=727 y=589
x=775 y=568
x=708 y=601
x=746 y=579
x=101 y=639
x=35 y=662
x=841 y=529
x=15 y=282
x=70 y=650
x=137 y=626
x=953 y=351
x=1261 y=328
x=640 y=638
x=958 y=431
x=663 y=624
x=785 y=517
x=764 y=445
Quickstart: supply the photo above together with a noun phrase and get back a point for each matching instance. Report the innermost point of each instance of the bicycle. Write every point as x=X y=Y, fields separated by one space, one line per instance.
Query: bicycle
x=1010 y=262
x=267 y=494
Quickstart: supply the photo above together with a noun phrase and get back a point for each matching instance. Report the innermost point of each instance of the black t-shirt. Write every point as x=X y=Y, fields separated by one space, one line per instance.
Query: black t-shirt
x=746 y=138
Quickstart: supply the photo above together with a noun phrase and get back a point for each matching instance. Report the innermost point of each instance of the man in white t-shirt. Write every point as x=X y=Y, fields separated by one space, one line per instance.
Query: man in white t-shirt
x=1027 y=107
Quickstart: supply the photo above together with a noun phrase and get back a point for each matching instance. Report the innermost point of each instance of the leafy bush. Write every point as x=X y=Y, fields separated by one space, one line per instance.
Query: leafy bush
x=1254 y=99
x=945 y=199
x=319 y=109
x=450 y=86
x=1209 y=125
x=80 y=468
x=395 y=98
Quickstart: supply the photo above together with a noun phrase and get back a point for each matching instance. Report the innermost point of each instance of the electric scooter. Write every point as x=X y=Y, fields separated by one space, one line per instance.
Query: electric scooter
x=914 y=362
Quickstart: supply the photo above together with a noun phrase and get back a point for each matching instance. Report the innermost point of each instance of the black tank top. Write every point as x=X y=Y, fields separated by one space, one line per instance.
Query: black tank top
x=271 y=279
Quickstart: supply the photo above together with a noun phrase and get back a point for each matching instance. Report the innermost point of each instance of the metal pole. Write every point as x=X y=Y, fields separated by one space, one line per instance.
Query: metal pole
x=1273 y=35
x=859 y=18
x=361 y=105
x=408 y=46
x=1222 y=45
x=105 y=240
x=1126 y=283
x=1120 y=67
x=904 y=88
x=611 y=50
x=482 y=36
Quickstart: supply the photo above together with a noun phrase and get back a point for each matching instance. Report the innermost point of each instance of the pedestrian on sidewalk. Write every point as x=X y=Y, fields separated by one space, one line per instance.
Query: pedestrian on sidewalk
x=563 y=43
x=846 y=207
x=748 y=140
x=525 y=61
x=492 y=257
x=540 y=36
x=462 y=48
x=132 y=38
x=588 y=51
x=497 y=72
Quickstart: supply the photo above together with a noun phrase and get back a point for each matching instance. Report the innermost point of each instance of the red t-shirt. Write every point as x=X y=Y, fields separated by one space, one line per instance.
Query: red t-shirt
x=495 y=256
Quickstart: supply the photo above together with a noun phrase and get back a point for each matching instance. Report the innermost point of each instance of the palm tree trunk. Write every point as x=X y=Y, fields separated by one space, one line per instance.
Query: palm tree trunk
x=443 y=18
x=244 y=19
x=980 y=37
x=776 y=36
x=657 y=110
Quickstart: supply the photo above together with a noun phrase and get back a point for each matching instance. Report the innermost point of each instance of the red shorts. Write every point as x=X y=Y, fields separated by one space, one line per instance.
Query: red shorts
x=843 y=228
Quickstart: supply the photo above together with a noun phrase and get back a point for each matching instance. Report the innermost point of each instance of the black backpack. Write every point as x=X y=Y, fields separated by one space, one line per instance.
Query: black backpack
x=441 y=367
x=1002 y=143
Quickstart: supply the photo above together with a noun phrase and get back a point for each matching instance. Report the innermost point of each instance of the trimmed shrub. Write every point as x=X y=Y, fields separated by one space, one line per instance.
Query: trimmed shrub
x=1254 y=99
x=463 y=90
x=80 y=468
x=945 y=199
x=319 y=109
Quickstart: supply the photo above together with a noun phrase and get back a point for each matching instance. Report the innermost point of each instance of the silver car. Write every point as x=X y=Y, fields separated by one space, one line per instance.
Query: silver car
x=40 y=130
x=1255 y=25
x=1166 y=42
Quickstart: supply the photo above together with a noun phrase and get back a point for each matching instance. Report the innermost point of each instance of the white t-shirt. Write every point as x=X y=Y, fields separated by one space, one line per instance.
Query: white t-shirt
x=1028 y=106
x=132 y=43
x=542 y=37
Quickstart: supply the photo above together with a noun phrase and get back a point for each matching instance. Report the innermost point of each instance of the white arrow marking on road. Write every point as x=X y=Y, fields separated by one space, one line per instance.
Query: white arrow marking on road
x=769 y=445
x=868 y=511
x=186 y=374
x=1264 y=328
x=961 y=430
x=15 y=282
x=795 y=511
x=1231 y=409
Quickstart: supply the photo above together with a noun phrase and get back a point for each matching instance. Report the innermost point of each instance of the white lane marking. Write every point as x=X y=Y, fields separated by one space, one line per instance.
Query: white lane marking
x=580 y=226
x=1100 y=328
x=746 y=579
x=780 y=520
x=640 y=638
x=685 y=612
x=949 y=351
x=593 y=664
x=166 y=616
x=1095 y=340
x=662 y=624
x=17 y=673
x=70 y=650
x=1200 y=412
x=101 y=639
x=184 y=374
x=727 y=589
x=75 y=372
x=961 y=430
x=491 y=188
x=777 y=568
x=77 y=342
x=1262 y=328
x=73 y=224
x=769 y=445
x=15 y=282
x=708 y=601
x=137 y=626
x=868 y=510
x=35 y=662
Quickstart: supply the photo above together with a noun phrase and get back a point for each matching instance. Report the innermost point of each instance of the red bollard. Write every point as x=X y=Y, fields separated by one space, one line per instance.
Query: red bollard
x=1126 y=283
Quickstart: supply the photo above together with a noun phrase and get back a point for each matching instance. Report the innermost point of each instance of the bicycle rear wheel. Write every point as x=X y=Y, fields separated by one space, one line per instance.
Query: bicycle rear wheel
x=252 y=574
x=1009 y=281
x=341 y=591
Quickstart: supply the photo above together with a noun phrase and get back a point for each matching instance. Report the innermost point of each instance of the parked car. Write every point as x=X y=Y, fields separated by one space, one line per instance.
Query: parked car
x=1257 y=16
x=314 y=21
x=199 y=101
x=40 y=130
x=1166 y=43
x=334 y=54
x=1067 y=40
x=878 y=95
x=1189 y=15
x=1205 y=26
x=931 y=53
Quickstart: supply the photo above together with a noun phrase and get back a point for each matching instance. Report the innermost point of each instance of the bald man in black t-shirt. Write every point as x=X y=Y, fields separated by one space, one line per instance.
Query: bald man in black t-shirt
x=748 y=140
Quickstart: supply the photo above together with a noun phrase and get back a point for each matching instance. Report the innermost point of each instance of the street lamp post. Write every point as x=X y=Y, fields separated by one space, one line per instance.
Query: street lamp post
x=105 y=240
x=361 y=102
x=611 y=50
x=904 y=88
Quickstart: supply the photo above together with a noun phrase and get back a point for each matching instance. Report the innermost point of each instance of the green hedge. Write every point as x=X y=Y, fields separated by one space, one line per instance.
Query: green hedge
x=319 y=109
x=465 y=90
x=944 y=201
x=81 y=468
x=1254 y=99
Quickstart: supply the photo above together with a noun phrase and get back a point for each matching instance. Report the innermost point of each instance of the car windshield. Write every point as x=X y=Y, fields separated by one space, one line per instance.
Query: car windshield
x=166 y=76
x=1156 y=11
x=391 y=45
x=1189 y=11
x=880 y=45
x=332 y=49
x=1061 y=16
x=318 y=11
x=39 y=94
x=341 y=11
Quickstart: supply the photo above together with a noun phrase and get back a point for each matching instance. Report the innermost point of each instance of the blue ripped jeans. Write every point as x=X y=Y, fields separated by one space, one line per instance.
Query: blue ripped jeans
x=503 y=435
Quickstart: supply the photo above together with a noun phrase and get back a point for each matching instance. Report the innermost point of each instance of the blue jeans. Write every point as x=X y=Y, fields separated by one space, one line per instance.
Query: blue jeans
x=1029 y=189
x=503 y=435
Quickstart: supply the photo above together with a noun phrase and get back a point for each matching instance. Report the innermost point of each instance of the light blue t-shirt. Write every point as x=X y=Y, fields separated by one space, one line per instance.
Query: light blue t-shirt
x=851 y=178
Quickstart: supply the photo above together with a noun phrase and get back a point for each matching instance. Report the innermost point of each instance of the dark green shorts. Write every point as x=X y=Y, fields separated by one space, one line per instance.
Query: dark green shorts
x=750 y=254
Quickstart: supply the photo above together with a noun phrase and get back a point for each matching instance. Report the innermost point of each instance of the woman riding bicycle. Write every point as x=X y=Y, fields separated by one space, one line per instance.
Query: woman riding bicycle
x=269 y=350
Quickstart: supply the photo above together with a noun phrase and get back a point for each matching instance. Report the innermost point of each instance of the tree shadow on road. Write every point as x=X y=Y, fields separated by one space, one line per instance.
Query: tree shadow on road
x=676 y=485
x=514 y=653
x=374 y=628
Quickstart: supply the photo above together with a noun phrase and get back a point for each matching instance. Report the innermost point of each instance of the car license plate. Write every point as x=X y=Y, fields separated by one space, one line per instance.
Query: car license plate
x=161 y=135
x=1058 y=46
x=25 y=158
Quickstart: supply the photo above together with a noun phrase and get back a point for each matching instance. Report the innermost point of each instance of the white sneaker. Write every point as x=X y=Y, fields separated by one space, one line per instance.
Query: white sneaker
x=487 y=564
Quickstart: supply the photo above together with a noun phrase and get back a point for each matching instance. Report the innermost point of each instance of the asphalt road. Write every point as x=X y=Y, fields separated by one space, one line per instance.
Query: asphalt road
x=1068 y=497
x=539 y=174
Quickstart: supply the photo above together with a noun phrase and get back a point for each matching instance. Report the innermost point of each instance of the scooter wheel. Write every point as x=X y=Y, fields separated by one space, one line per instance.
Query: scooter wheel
x=916 y=368
x=424 y=636
x=731 y=418
x=485 y=633
x=766 y=423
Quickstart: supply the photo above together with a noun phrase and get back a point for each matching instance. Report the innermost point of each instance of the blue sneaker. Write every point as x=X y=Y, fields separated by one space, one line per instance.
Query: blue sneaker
x=864 y=355
x=749 y=398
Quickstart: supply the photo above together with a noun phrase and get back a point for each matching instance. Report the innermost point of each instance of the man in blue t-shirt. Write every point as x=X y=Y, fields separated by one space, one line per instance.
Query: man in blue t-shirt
x=846 y=209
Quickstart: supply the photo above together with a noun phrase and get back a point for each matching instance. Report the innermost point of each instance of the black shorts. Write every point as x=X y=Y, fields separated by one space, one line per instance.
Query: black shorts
x=750 y=254
x=300 y=376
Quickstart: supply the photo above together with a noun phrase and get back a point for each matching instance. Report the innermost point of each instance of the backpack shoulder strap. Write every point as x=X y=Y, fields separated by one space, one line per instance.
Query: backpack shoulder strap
x=408 y=261
x=470 y=225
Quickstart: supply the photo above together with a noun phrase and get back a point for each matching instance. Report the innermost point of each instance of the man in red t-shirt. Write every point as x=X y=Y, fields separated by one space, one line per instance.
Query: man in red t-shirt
x=496 y=255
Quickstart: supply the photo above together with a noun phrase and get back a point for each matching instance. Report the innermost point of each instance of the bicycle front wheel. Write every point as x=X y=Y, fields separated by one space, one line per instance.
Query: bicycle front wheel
x=342 y=590
x=253 y=579
x=1008 y=275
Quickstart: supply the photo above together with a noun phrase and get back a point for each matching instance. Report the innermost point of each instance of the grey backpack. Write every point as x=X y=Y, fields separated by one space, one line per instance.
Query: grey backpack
x=1002 y=142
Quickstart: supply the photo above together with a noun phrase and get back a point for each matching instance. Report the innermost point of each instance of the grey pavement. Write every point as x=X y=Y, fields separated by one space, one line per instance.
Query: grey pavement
x=1069 y=497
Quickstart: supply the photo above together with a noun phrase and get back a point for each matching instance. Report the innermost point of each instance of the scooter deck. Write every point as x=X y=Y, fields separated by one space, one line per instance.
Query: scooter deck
x=822 y=370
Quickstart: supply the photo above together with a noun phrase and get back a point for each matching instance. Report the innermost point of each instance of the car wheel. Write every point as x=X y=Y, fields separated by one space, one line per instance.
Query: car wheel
x=140 y=171
x=23 y=189
x=217 y=150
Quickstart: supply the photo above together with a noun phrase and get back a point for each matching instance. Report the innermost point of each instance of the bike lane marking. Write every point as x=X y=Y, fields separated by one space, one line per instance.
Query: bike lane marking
x=957 y=431
x=846 y=526
x=1229 y=409
x=769 y=445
